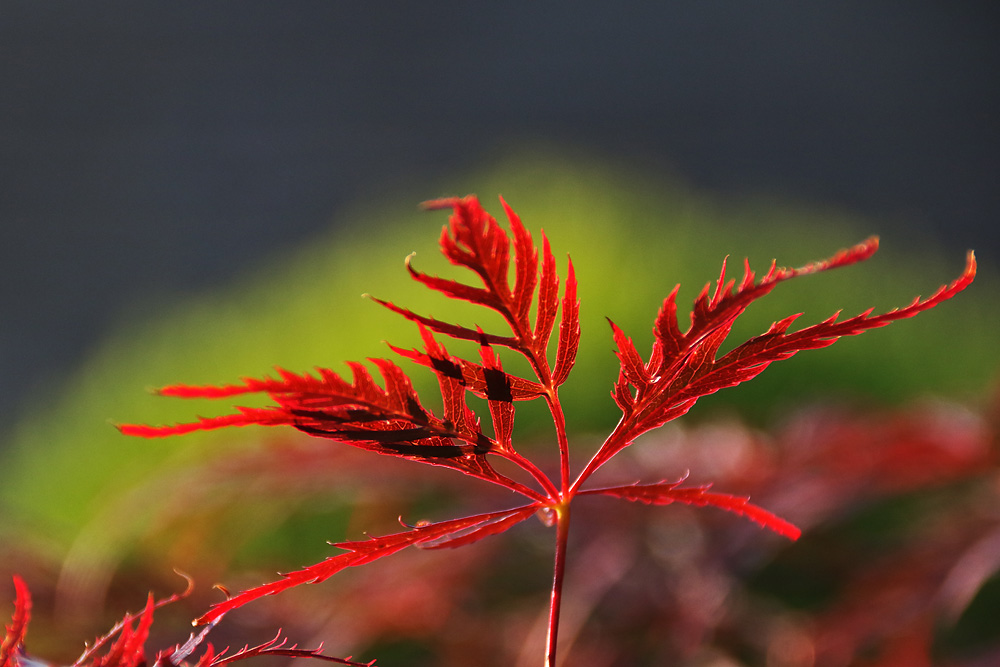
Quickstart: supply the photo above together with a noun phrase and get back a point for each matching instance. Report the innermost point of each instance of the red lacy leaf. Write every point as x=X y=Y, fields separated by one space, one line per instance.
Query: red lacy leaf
x=683 y=367
x=526 y=265
x=665 y=493
x=128 y=650
x=15 y=632
x=548 y=298
x=360 y=413
x=631 y=363
x=392 y=420
x=481 y=530
x=569 y=330
x=366 y=551
x=473 y=239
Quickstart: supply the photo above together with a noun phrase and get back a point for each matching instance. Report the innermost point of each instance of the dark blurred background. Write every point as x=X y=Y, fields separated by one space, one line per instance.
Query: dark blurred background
x=152 y=148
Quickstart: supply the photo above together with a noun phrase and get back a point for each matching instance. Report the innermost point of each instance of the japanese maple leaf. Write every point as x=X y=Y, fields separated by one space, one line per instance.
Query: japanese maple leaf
x=126 y=642
x=388 y=417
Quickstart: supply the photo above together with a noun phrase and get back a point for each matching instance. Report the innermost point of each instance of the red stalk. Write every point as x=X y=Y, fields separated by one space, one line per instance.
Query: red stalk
x=562 y=535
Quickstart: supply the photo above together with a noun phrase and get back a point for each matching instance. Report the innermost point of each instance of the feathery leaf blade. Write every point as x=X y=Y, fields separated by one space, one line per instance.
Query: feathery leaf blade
x=387 y=420
x=485 y=529
x=454 y=289
x=666 y=493
x=360 y=553
x=569 y=330
x=632 y=366
x=473 y=239
x=245 y=417
x=525 y=266
x=456 y=331
x=712 y=313
x=684 y=367
x=548 y=299
x=750 y=359
x=668 y=341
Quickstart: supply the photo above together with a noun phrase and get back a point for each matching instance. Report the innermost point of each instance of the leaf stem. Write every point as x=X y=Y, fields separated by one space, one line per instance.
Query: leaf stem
x=562 y=534
x=559 y=420
x=535 y=472
x=611 y=444
x=518 y=487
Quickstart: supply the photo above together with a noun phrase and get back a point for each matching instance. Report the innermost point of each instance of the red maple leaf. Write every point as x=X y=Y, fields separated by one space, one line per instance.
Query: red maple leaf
x=128 y=637
x=390 y=419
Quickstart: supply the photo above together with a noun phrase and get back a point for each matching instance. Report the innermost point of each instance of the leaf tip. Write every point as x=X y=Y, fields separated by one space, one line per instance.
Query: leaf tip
x=439 y=204
x=970 y=264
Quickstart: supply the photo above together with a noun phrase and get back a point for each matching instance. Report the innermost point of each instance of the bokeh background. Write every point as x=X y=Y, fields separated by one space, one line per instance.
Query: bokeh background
x=196 y=191
x=151 y=149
